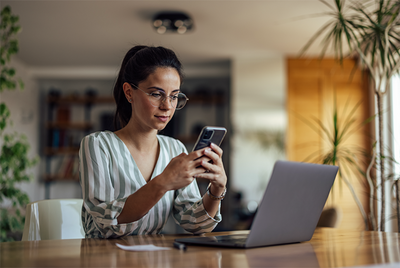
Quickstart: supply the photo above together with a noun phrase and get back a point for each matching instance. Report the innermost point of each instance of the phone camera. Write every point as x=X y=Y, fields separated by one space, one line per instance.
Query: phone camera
x=208 y=134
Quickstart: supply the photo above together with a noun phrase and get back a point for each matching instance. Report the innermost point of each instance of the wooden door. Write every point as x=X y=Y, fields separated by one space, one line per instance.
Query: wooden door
x=313 y=85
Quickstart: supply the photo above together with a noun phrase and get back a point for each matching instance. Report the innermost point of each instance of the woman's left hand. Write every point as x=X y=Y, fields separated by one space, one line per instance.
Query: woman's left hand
x=215 y=169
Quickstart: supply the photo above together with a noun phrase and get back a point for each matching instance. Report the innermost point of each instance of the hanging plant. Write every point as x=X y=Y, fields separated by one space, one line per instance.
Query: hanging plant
x=14 y=160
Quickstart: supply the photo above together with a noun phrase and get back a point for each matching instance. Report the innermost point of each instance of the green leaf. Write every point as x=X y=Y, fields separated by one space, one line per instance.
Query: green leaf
x=15 y=29
x=9 y=46
x=15 y=163
x=10 y=71
x=21 y=83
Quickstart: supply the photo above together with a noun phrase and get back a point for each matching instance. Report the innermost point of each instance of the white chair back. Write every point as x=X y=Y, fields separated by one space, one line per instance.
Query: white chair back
x=53 y=219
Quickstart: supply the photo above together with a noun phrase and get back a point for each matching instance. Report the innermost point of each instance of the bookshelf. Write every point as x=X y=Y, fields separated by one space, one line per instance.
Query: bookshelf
x=68 y=120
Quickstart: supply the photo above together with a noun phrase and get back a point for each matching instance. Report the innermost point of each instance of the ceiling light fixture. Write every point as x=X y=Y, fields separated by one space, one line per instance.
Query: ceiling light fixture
x=175 y=22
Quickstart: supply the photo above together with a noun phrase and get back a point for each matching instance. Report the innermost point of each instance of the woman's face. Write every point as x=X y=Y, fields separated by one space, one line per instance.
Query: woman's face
x=148 y=115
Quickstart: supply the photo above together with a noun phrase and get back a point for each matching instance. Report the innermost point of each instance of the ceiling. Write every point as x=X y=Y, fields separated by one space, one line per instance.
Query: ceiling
x=98 y=33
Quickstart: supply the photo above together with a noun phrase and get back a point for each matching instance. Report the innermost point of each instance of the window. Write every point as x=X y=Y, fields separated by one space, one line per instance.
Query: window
x=396 y=121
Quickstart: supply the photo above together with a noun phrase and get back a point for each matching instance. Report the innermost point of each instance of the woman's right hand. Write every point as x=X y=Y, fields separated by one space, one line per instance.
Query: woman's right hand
x=178 y=174
x=181 y=170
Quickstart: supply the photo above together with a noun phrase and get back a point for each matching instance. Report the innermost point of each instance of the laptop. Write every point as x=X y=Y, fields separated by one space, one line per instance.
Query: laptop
x=289 y=210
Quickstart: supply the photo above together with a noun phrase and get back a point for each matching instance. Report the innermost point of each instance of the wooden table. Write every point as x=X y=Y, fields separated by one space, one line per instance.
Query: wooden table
x=327 y=248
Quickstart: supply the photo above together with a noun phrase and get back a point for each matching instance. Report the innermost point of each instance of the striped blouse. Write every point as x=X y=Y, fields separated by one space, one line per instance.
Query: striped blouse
x=108 y=175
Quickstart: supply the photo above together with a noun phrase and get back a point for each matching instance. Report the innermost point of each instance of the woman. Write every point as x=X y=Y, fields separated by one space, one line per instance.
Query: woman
x=133 y=179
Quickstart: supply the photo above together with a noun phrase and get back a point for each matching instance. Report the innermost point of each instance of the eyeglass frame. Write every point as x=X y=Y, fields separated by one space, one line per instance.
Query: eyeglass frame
x=165 y=97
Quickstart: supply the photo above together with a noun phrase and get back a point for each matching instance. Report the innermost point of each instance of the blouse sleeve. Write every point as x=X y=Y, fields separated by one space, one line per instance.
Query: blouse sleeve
x=102 y=203
x=189 y=211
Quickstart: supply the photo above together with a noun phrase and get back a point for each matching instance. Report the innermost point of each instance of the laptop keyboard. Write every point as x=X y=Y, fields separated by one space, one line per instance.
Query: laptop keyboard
x=233 y=240
x=237 y=240
x=219 y=240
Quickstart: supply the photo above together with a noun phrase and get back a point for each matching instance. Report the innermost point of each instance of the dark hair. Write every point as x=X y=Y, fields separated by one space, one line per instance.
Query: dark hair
x=138 y=63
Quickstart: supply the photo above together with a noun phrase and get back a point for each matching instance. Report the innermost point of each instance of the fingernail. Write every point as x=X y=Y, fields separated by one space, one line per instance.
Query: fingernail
x=208 y=150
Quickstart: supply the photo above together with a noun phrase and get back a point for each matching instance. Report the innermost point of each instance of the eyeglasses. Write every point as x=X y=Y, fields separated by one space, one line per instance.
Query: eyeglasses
x=177 y=101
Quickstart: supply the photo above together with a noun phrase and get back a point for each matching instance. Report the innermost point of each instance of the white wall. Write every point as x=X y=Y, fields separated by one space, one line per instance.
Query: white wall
x=258 y=104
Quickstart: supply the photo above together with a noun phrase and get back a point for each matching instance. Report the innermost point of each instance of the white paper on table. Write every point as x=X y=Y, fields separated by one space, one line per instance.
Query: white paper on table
x=141 y=247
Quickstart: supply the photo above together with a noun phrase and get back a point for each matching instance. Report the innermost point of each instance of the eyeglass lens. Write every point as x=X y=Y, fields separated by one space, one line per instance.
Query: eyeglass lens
x=177 y=101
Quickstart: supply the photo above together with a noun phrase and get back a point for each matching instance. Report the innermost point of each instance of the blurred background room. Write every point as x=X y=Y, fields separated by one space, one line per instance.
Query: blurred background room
x=243 y=72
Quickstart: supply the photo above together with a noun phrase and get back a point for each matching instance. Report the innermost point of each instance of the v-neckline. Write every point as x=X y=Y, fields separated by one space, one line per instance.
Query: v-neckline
x=134 y=162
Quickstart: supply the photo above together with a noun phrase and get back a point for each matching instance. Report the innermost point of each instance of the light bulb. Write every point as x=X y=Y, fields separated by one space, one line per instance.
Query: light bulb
x=182 y=30
x=157 y=23
x=161 y=29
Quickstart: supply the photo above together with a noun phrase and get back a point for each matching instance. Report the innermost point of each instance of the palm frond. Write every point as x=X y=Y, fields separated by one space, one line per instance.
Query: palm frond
x=350 y=120
x=327 y=4
x=324 y=129
x=364 y=31
x=313 y=38
x=306 y=121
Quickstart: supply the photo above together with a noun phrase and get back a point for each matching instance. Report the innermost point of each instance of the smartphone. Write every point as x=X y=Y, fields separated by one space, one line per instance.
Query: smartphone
x=209 y=135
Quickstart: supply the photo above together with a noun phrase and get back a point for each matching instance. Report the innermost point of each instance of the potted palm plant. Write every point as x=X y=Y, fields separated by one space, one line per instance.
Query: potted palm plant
x=335 y=132
x=370 y=32
x=14 y=160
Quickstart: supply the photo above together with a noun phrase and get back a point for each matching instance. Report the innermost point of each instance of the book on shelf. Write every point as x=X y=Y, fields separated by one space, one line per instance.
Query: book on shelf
x=61 y=138
x=55 y=138
x=63 y=114
x=68 y=167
